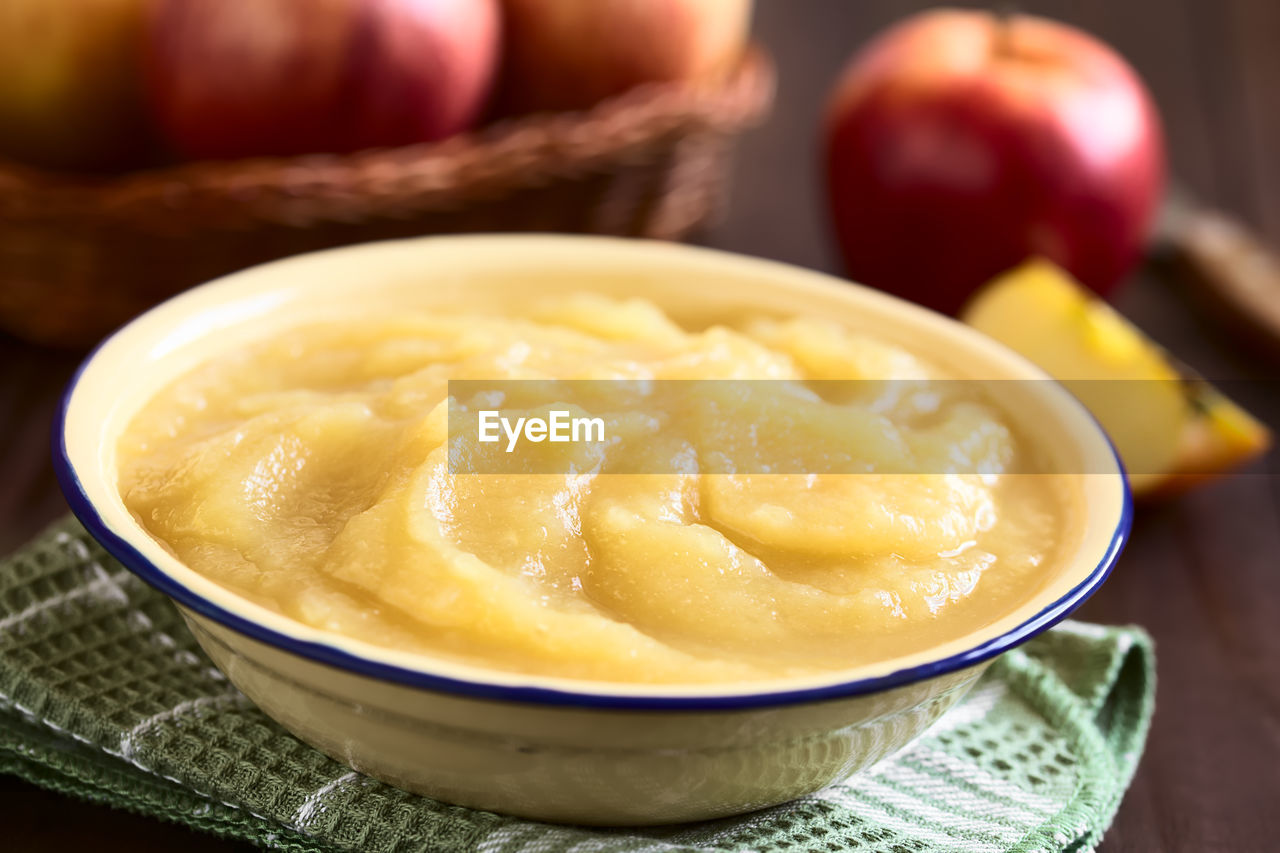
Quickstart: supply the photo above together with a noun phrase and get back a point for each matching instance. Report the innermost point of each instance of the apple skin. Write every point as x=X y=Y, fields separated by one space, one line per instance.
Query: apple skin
x=958 y=144
x=242 y=78
x=571 y=54
x=70 y=85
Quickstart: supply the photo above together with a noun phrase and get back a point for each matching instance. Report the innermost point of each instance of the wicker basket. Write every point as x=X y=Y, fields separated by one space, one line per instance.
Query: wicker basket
x=78 y=256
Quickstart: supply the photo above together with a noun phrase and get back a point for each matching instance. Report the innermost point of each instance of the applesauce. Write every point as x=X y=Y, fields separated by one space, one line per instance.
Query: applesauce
x=315 y=473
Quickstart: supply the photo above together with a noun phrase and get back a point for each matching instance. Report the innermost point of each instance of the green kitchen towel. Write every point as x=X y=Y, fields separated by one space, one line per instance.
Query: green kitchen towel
x=105 y=696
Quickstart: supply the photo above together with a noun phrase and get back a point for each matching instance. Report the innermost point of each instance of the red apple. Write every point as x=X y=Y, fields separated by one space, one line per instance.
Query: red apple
x=959 y=143
x=570 y=54
x=70 y=88
x=239 y=78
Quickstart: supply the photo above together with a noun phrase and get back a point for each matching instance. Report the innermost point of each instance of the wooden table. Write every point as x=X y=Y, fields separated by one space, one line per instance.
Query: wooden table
x=1201 y=573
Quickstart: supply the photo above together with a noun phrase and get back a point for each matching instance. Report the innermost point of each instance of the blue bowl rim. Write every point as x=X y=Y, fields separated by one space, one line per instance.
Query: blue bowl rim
x=133 y=560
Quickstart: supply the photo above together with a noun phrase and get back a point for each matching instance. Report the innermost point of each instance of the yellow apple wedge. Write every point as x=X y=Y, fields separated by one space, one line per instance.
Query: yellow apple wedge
x=1172 y=430
x=1220 y=437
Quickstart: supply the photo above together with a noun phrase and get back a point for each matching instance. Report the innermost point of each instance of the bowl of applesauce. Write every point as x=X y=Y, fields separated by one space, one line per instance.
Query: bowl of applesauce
x=588 y=530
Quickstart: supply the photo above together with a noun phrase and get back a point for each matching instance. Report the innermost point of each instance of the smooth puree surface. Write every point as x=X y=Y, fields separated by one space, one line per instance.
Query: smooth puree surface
x=310 y=473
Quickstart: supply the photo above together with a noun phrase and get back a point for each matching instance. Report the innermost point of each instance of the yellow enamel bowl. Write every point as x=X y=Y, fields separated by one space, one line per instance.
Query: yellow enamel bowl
x=546 y=748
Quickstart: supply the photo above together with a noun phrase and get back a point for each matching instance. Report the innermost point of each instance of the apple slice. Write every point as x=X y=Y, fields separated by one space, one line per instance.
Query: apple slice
x=1172 y=429
x=1220 y=437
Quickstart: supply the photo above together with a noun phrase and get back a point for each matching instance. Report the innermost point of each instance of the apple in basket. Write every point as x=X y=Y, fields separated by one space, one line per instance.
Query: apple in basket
x=959 y=143
x=70 y=92
x=569 y=54
x=239 y=78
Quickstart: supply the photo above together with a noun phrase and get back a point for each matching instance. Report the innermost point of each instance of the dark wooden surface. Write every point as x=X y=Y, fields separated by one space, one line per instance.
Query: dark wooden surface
x=1201 y=573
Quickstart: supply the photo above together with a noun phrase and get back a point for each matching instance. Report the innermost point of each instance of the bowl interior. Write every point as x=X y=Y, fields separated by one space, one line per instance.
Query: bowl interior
x=501 y=273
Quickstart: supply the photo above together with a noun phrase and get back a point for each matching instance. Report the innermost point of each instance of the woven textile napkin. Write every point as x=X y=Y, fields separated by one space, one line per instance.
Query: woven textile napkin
x=105 y=696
